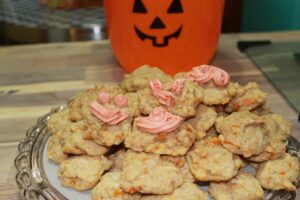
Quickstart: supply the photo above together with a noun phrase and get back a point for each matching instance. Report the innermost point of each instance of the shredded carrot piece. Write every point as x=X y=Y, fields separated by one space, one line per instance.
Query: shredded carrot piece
x=204 y=155
x=282 y=173
x=161 y=136
x=131 y=190
x=145 y=171
x=248 y=102
x=216 y=141
x=117 y=193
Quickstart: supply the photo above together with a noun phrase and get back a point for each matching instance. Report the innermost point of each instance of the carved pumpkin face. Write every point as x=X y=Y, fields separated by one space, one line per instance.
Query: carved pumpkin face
x=174 y=35
x=158 y=24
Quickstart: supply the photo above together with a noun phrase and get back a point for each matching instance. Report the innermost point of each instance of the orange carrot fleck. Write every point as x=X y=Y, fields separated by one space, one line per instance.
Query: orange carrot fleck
x=131 y=190
x=248 y=102
x=204 y=155
x=282 y=173
x=161 y=136
x=145 y=171
x=216 y=141
x=118 y=193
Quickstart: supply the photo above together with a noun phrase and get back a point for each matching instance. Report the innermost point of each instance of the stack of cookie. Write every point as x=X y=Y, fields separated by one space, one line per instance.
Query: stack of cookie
x=158 y=137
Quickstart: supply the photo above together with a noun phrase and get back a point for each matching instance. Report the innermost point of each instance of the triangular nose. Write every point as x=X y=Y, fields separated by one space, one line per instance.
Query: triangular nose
x=157 y=24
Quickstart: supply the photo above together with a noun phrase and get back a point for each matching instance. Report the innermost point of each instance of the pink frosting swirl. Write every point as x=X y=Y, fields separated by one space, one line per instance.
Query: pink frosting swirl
x=220 y=77
x=205 y=73
x=104 y=97
x=155 y=85
x=159 y=121
x=121 y=100
x=201 y=74
x=163 y=97
x=107 y=116
x=177 y=86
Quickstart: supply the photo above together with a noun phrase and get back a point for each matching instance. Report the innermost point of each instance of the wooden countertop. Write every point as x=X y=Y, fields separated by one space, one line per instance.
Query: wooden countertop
x=35 y=78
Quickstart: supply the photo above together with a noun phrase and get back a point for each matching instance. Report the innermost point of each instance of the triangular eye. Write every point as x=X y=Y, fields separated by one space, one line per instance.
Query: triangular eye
x=176 y=7
x=139 y=7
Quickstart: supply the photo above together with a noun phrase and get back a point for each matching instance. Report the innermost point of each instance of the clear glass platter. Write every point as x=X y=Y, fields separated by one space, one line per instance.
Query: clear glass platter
x=36 y=175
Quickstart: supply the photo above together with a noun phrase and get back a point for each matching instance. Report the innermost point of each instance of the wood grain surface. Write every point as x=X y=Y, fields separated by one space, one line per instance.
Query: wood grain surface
x=35 y=78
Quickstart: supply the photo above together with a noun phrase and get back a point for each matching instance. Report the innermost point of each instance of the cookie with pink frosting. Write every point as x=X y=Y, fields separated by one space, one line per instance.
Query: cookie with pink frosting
x=161 y=133
x=180 y=97
x=217 y=88
x=108 y=112
x=80 y=104
x=67 y=138
x=139 y=78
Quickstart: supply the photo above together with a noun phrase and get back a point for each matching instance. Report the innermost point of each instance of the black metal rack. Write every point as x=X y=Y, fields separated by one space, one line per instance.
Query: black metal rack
x=25 y=21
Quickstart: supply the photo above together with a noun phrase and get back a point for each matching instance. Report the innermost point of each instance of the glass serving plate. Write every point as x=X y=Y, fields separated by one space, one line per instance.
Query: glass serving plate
x=36 y=175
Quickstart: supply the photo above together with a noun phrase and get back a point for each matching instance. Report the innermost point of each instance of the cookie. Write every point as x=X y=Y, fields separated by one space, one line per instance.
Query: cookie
x=82 y=172
x=277 y=130
x=174 y=143
x=183 y=103
x=277 y=127
x=107 y=111
x=278 y=174
x=55 y=149
x=73 y=141
x=218 y=95
x=80 y=104
x=215 y=82
x=181 y=163
x=243 y=186
x=108 y=135
x=149 y=174
x=139 y=78
x=274 y=149
x=109 y=189
x=58 y=121
x=187 y=191
x=248 y=97
x=242 y=133
x=204 y=119
x=210 y=161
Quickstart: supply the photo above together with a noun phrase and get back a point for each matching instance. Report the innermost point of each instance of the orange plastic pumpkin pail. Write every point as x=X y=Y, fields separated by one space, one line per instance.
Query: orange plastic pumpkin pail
x=174 y=35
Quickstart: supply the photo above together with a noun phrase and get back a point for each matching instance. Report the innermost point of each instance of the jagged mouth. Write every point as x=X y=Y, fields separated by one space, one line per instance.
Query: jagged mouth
x=165 y=42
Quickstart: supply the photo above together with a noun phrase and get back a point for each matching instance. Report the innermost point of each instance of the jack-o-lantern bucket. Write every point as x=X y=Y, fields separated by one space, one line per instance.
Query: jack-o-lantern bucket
x=174 y=35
